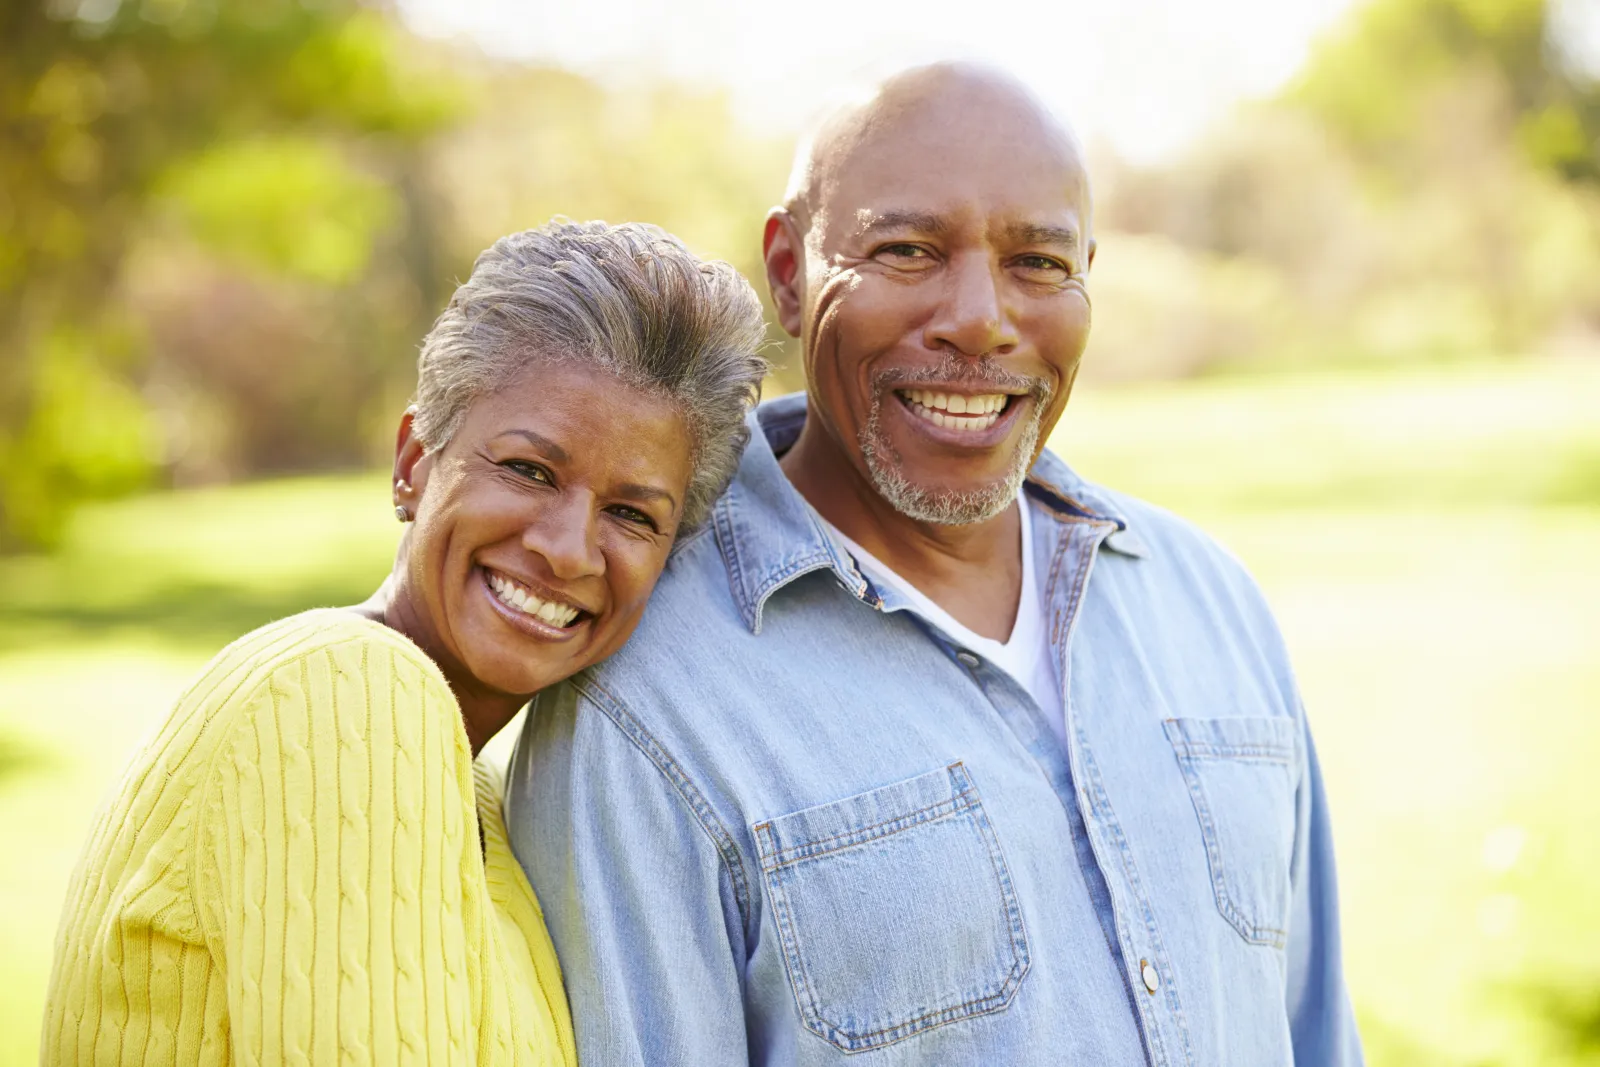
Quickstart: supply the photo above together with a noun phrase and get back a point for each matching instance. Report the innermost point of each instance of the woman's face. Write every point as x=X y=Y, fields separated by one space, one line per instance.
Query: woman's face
x=542 y=526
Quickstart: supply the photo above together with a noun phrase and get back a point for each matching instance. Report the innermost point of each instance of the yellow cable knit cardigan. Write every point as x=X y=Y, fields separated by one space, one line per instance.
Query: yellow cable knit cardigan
x=290 y=871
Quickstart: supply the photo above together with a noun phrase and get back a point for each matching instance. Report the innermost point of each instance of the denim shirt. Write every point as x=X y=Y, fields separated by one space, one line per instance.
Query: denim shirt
x=791 y=823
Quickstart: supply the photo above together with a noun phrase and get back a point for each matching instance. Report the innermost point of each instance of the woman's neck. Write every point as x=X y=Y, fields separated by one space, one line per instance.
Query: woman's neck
x=484 y=711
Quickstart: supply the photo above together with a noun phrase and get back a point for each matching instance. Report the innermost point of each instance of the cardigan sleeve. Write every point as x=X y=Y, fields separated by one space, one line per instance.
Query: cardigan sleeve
x=335 y=830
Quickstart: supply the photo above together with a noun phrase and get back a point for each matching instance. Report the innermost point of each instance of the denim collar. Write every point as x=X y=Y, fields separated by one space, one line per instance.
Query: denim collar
x=769 y=535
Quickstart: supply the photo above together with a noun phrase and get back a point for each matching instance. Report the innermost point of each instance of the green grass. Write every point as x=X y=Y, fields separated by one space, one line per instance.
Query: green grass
x=1431 y=541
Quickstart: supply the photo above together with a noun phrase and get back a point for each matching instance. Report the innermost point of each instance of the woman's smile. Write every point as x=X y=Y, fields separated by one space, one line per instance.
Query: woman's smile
x=545 y=618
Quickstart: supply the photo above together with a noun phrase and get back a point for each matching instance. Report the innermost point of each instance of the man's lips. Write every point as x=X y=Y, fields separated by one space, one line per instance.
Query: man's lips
x=967 y=417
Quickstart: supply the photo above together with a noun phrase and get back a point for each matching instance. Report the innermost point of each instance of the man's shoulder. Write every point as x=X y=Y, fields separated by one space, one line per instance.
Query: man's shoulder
x=1152 y=525
x=691 y=612
x=1167 y=533
x=1173 y=552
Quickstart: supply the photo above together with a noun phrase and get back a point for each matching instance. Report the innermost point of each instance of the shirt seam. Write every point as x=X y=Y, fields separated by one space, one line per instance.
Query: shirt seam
x=617 y=713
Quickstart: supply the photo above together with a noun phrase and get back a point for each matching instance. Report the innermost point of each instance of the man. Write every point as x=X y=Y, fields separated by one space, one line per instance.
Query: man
x=927 y=750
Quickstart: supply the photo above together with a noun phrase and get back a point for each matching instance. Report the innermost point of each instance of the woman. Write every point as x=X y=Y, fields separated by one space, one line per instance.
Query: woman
x=305 y=864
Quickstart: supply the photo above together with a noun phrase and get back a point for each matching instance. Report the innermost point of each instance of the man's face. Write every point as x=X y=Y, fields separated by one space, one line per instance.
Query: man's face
x=945 y=311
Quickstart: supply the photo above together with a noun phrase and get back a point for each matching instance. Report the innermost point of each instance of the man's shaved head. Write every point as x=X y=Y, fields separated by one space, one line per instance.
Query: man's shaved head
x=966 y=106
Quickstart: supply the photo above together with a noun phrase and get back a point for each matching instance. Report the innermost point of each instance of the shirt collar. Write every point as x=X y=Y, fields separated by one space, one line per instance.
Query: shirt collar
x=769 y=535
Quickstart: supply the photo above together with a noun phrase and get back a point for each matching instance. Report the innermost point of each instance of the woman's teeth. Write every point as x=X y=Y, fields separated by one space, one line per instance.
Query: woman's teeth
x=516 y=596
x=956 y=411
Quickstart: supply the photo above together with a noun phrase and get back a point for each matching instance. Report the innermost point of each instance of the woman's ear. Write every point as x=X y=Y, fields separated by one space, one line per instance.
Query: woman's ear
x=411 y=466
x=782 y=248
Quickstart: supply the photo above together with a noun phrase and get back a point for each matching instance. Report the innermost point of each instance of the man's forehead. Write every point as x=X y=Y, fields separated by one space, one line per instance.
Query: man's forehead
x=939 y=136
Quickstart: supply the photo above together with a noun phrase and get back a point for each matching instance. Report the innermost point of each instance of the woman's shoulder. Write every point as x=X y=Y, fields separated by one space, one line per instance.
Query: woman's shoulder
x=320 y=632
x=321 y=653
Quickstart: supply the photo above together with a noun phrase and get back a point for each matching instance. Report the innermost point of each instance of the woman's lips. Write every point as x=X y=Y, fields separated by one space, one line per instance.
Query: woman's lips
x=533 y=615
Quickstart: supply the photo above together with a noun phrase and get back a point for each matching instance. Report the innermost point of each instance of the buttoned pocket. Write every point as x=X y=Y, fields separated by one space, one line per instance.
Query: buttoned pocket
x=1241 y=777
x=895 y=910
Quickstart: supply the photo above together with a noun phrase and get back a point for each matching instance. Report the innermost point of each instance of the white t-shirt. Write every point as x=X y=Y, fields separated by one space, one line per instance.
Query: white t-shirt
x=1026 y=655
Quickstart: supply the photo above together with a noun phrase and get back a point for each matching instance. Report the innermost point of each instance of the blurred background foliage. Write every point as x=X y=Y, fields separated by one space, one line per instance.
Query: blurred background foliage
x=224 y=225
x=1354 y=329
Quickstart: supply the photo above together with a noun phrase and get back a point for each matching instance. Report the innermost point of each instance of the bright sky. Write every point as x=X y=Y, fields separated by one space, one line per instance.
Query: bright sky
x=1148 y=75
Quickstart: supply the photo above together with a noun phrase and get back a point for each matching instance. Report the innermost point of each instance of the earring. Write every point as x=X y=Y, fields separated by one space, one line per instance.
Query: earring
x=401 y=513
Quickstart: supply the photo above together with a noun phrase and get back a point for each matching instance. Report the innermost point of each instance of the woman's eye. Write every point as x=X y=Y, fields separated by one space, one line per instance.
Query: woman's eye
x=531 y=471
x=633 y=515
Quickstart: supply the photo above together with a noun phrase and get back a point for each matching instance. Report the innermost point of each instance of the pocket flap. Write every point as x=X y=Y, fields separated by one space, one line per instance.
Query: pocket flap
x=894 y=910
x=827 y=828
x=1247 y=737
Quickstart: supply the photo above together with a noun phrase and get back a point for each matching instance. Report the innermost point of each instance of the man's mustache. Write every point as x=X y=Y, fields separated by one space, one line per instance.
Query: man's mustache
x=957 y=371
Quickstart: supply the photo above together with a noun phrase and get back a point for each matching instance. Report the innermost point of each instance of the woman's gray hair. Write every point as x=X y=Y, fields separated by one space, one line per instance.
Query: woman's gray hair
x=630 y=299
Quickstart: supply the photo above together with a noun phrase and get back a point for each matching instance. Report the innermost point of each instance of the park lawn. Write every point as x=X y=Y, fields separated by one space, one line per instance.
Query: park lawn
x=1430 y=539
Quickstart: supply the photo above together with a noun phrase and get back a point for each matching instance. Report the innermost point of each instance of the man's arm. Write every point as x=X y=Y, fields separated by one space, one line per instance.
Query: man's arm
x=637 y=889
x=1321 y=1022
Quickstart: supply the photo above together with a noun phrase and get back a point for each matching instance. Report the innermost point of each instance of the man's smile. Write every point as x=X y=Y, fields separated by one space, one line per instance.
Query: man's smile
x=963 y=419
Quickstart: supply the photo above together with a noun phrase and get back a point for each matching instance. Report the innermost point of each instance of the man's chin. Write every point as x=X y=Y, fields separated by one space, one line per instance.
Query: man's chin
x=888 y=443
x=943 y=505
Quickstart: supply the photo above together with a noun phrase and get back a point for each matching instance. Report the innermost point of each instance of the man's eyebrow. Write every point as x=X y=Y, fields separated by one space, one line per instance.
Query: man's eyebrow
x=1033 y=233
x=549 y=447
x=881 y=221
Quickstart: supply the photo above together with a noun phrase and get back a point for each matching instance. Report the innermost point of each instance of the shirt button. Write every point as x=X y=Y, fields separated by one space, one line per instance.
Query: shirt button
x=968 y=659
x=1147 y=971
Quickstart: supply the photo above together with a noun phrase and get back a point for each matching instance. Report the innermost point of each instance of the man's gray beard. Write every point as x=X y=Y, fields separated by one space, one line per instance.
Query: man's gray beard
x=943 y=507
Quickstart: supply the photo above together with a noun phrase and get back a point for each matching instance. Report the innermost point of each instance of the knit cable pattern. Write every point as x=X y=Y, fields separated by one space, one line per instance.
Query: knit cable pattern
x=289 y=872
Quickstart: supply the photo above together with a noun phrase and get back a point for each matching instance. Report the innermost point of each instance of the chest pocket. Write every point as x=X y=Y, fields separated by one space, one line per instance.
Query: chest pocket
x=895 y=910
x=1241 y=777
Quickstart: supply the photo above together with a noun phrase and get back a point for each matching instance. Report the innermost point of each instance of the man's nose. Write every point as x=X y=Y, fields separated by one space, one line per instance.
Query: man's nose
x=567 y=536
x=972 y=317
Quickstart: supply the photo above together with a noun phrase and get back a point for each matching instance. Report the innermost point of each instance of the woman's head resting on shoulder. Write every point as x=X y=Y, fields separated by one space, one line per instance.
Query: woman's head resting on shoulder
x=580 y=405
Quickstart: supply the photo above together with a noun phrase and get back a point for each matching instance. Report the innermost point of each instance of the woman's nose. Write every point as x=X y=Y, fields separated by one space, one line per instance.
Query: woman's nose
x=567 y=536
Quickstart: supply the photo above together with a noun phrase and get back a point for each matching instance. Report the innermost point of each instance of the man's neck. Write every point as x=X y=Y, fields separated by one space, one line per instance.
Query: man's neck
x=972 y=571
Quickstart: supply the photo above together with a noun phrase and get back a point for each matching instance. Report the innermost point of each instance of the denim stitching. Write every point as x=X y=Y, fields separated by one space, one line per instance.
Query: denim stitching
x=1247 y=753
x=795 y=854
x=723 y=519
x=1159 y=955
x=799 y=978
x=617 y=713
x=1149 y=1025
x=1019 y=931
x=1255 y=933
x=964 y=801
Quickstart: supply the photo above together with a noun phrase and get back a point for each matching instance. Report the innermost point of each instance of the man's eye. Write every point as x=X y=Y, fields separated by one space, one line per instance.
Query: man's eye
x=1043 y=263
x=531 y=471
x=904 y=251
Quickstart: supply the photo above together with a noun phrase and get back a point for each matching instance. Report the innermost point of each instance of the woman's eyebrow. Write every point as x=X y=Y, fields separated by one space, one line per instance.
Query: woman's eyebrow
x=549 y=447
x=635 y=491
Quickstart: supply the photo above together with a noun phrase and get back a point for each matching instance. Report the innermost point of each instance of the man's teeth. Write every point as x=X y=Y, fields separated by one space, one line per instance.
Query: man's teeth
x=513 y=595
x=957 y=411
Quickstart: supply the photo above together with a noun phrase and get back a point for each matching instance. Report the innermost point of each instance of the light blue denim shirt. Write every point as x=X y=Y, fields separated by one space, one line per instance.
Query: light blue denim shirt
x=790 y=823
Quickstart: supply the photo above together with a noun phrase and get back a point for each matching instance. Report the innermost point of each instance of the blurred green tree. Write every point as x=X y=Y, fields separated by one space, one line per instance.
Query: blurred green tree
x=1427 y=187
x=273 y=134
x=1371 y=82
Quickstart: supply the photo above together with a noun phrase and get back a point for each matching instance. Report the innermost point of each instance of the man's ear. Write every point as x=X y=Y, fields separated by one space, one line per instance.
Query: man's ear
x=782 y=248
x=412 y=462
